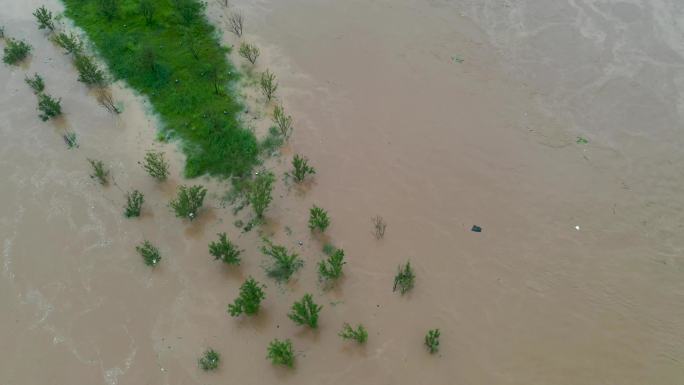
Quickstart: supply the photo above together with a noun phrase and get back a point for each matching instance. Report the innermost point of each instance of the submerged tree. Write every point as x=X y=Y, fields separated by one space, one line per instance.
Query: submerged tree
x=236 y=22
x=268 y=84
x=210 y=360
x=318 y=219
x=149 y=253
x=70 y=43
x=283 y=121
x=259 y=194
x=36 y=83
x=305 y=312
x=281 y=353
x=15 y=51
x=249 y=52
x=379 y=226
x=44 y=18
x=99 y=171
x=225 y=250
x=359 y=334
x=88 y=72
x=331 y=269
x=301 y=168
x=404 y=279
x=432 y=340
x=188 y=201
x=249 y=301
x=49 y=107
x=134 y=202
x=284 y=263
x=155 y=165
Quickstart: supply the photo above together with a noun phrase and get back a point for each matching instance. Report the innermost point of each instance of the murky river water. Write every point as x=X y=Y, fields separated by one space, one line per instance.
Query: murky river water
x=437 y=115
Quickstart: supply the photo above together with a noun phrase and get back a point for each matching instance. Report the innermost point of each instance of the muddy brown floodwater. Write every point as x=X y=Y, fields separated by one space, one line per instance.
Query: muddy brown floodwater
x=437 y=115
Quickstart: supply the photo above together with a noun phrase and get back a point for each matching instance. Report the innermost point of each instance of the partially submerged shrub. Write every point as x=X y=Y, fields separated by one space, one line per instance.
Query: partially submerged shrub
x=270 y=144
x=301 y=168
x=284 y=264
x=236 y=23
x=70 y=43
x=251 y=295
x=305 y=312
x=15 y=51
x=404 y=279
x=155 y=165
x=331 y=269
x=149 y=253
x=379 y=226
x=88 y=72
x=99 y=171
x=134 y=202
x=249 y=52
x=36 y=83
x=281 y=353
x=359 y=334
x=259 y=194
x=70 y=139
x=268 y=84
x=44 y=18
x=2 y=32
x=225 y=250
x=209 y=360
x=188 y=201
x=318 y=219
x=104 y=97
x=432 y=340
x=49 y=107
x=283 y=121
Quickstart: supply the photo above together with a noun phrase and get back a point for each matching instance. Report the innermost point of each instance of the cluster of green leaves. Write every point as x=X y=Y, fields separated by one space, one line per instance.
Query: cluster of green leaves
x=318 y=219
x=188 y=201
x=99 y=171
x=249 y=52
x=179 y=81
x=405 y=278
x=331 y=269
x=284 y=264
x=210 y=360
x=251 y=295
x=432 y=340
x=301 y=168
x=225 y=250
x=155 y=164
x=49 y=107
x=149 y=253
x=259 y=194
x=134 y=202
x=281 y=353
x=282 y=121
x=36 y=83
x=15 y=51
x=359 y=334
x=44 y=19
x=305 y=312
x=268 y=84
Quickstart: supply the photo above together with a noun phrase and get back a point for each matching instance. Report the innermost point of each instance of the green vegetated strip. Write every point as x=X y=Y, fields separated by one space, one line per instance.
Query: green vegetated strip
x=174 y=58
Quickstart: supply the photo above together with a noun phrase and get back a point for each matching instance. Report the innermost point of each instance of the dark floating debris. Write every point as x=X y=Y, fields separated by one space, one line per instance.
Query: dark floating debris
x=476 y=229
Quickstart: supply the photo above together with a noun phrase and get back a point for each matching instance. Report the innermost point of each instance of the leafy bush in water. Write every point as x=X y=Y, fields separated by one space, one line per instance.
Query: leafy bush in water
x=318 y=219
x=268 y=84
x=283 y=121
x=49 y=107
x=210 y=360
x=36 y=83
x=331 y=269
x=88 y=72
x=305 y=312
x=359 y=334
x=432 y=340
x=134 y=202
x=156 y=165
x=404 y=279
x=281 y=353
x=249 y=52
x=70 y=43
x=251 y=295
x=44 y=18
x=149 y=253
x=225 y=250
x=260 y=192
x=189 y=201
x=301 y=168
x=15 y=51
x=99 y=171
x=284 y=264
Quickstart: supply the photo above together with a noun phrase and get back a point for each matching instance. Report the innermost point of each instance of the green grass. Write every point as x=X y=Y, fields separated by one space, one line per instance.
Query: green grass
x=178 y=63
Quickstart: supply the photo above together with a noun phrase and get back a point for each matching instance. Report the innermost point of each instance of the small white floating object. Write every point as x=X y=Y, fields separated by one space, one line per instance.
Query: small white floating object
x=577 y=228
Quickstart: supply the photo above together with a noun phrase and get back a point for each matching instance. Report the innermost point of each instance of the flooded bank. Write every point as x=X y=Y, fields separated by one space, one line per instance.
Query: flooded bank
x=407 y=109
